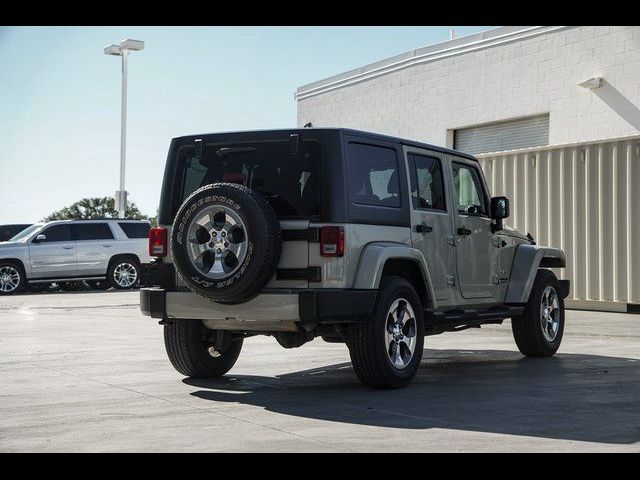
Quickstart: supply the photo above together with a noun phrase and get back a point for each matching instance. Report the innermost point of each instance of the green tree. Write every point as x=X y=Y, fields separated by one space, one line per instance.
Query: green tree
x=96 y=207
x=154 y=220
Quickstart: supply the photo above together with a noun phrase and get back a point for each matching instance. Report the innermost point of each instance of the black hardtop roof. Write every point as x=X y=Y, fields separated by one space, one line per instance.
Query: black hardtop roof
x=350 y=131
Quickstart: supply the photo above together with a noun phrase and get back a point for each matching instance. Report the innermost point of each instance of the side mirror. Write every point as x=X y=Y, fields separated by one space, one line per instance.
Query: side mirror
x=499 y=211
x=40 y=238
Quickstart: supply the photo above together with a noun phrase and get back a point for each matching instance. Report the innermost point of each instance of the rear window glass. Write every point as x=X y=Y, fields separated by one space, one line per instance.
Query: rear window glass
x=135 y=230
x=289 y=181
x=373 y=175
x=93 y=231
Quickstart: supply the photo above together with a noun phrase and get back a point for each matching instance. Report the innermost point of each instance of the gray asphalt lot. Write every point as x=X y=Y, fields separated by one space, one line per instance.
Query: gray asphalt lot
x=86 y=372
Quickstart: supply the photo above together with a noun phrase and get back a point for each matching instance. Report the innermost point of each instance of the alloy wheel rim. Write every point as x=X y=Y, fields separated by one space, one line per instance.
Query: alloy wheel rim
x=550 y=314
x=400 y=333
x=9 y=279
x=125 y=274
x=217 y=241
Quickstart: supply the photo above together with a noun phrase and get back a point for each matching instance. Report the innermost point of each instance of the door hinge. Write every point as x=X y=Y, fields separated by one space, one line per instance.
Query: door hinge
x=451 y=280
x=451 y=240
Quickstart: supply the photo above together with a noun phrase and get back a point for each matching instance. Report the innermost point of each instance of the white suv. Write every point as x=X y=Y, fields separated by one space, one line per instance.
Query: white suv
x=106 y=252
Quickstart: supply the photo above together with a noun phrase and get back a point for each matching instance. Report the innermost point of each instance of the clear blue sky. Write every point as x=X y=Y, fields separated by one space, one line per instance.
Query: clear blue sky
x=60 y=98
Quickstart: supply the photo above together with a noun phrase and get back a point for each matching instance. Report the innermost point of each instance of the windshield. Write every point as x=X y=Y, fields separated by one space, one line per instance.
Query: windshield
x=26 y=233
x=289 y=181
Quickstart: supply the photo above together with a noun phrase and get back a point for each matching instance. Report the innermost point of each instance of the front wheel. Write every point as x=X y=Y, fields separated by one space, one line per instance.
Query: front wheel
x=192 y=350
x=538 y=332
x=12 y=279
x=386 y=349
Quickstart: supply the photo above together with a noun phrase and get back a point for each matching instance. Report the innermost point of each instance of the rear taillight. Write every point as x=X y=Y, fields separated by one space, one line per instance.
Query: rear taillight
x=158 y=242
x=332 y=241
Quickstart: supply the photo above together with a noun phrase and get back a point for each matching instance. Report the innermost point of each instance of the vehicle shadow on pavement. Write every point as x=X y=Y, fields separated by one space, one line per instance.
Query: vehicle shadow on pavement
x=570 y=396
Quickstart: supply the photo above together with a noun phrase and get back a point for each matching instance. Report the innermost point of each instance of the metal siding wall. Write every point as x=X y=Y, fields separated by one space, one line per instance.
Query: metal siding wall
x=584 y=199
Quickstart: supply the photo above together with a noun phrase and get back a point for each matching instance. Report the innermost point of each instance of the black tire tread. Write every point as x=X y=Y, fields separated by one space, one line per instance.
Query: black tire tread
x=187 y=351
x=526 y=330
x=361 y=340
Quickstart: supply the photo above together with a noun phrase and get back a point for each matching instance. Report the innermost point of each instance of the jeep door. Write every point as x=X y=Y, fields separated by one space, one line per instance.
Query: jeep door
x=475 y=252
x=431 y=224
x=55 y=256
x=95 y=244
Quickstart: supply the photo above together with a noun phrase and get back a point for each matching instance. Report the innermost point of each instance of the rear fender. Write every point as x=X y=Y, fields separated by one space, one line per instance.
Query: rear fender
x=373 y=259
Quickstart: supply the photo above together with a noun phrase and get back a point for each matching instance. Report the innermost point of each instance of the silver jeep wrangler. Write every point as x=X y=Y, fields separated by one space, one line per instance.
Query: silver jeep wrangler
x=354 y=237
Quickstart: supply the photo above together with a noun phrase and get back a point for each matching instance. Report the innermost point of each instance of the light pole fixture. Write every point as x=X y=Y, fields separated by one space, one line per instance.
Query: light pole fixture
x=122 y=50
x=591 y=83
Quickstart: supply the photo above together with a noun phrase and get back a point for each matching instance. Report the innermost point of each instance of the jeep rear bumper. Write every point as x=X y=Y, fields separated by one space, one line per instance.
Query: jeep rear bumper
x=320 y=306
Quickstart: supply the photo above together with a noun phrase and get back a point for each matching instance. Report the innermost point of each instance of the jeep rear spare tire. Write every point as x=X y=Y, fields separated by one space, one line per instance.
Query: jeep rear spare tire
x=226 y=242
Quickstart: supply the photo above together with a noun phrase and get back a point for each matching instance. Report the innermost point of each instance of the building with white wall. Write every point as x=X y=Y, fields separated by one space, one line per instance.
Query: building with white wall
x=553 y=114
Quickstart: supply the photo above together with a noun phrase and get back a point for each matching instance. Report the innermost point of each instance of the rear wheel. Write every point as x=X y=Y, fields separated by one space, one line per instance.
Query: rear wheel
x=192 y=349
x=386 y=350
x=12 y=278
x=124 y=273
x=538 y=332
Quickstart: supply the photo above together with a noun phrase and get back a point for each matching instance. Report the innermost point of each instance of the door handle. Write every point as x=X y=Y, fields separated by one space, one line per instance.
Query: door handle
x=67 y=248
x=462 y=231
x=107 y=246
x=423 y=228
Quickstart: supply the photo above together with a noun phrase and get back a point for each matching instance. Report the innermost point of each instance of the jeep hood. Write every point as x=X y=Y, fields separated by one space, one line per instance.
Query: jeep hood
x=512 y=232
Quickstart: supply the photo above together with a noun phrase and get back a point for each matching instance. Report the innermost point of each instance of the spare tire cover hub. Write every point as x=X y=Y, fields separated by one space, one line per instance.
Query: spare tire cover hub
x=217 y=241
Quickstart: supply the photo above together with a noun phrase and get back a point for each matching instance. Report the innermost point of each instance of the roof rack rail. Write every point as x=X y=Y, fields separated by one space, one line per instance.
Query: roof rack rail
x=103 y=219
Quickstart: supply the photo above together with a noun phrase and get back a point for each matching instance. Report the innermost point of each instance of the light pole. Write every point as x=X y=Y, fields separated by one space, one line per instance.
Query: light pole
x=122 y=50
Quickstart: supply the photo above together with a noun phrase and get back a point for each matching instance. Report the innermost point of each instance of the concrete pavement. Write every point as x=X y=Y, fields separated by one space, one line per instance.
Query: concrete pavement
x=87 y=372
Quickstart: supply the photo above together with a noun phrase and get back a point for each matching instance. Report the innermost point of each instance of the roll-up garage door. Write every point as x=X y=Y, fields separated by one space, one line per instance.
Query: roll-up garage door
x=509 y=135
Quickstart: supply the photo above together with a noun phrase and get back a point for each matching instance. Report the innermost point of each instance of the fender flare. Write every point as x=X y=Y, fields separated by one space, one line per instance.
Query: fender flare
x=526 y=262
x=373 y=258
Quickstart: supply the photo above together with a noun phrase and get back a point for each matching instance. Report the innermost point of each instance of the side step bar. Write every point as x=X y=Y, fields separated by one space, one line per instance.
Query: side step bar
x=451 y=320
x=65 y=279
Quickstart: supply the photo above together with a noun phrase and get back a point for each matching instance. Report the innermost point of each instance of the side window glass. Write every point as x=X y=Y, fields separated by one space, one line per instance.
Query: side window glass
x=135 y=230
x=93 y=231
x=57 y=233
x=373 y=175
x=427 y=183
x=469 y=193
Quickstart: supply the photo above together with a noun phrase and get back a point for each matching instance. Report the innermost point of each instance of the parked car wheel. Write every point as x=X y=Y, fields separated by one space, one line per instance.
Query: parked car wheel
x=226 y=242
x=386 y=350
x=538 y=332
x=124 y=274
x=192 y=353
x=12 y=278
